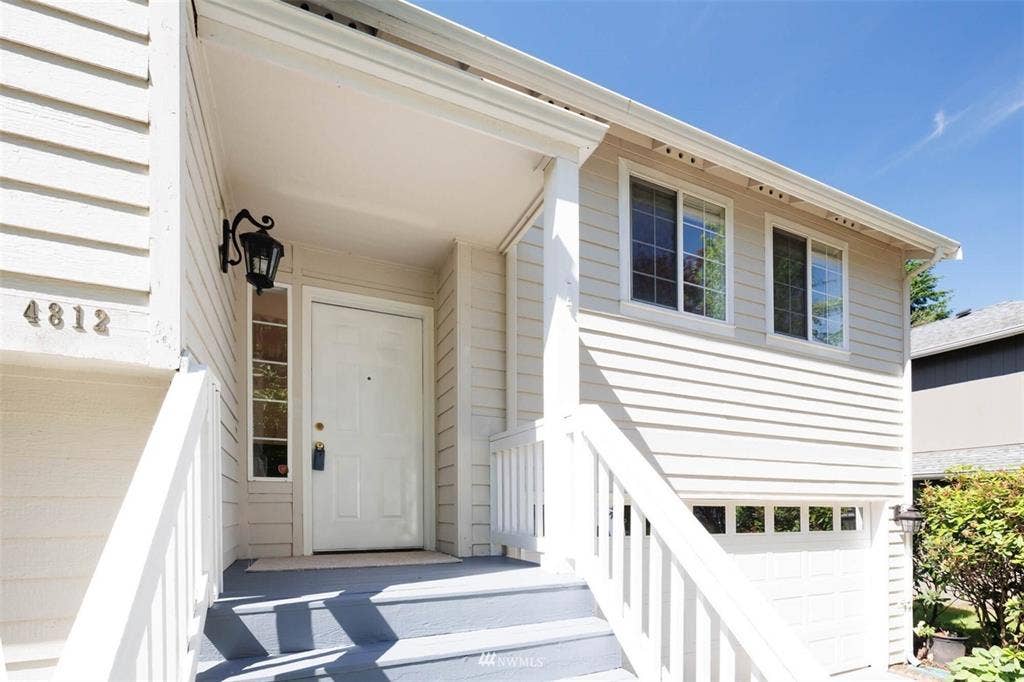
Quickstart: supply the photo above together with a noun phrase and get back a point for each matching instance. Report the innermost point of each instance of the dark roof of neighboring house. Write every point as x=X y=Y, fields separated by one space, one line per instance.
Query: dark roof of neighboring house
x=992 y=458
x=985 y=324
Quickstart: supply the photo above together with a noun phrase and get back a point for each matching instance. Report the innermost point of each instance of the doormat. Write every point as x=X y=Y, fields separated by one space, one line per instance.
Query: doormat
x=353 y=560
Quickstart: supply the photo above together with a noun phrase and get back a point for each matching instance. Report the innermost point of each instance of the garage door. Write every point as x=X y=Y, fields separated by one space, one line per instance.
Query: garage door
x=809 y=561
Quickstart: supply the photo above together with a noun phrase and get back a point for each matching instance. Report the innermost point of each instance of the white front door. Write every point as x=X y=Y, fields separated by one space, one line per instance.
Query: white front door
x=367 y=410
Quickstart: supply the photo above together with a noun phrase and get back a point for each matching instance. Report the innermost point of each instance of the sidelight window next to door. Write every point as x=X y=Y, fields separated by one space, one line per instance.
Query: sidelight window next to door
x=268 y=384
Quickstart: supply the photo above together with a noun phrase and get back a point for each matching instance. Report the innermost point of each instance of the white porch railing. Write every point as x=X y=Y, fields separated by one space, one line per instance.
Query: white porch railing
x=517 y=488
x=679 y=605
x=144 y=610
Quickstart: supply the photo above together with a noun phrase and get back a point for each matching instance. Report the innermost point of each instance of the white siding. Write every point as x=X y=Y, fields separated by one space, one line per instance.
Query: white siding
x=75 y=179
x=70 y=443
x=212 y=303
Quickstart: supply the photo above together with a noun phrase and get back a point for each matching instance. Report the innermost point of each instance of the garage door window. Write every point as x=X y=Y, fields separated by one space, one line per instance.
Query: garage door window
x=820 y=518
x=787 y=519
x=749 y=519
x=849 y=518
x=712 y=518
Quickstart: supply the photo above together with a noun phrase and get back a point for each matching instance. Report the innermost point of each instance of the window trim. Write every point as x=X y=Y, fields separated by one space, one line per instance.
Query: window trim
x=808 y=344
x=656 y=313
x=248 y=385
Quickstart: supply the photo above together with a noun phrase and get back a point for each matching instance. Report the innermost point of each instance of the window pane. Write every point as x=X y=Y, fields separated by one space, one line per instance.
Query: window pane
x=271 y=306
x=270 y=459
x=827 y=294
x=712 y=518
x=848 y=518
x=693 y=270
x=789 y=273
x=820 y=518
x=693 y=299
x=269 y=374
x=693 y=240
x=665 y=293
x=269 y=342
x=749 y=519
x=643 y=288
x=787 y=519
x=269 y=420
x=714 y=304
x=269 y=382
x=714 y=275
x=653 y=228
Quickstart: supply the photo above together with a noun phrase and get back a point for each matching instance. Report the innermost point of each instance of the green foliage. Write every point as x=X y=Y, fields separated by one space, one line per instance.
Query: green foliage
x=972 y=545
x=995 y=664
x=928 y=303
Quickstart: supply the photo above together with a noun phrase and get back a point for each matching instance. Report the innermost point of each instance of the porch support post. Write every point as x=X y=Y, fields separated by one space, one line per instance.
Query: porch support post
x=561 y=364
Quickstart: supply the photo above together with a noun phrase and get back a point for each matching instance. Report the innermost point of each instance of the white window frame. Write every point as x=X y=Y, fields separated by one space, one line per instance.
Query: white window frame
x=656 y=313
x=249 y=431
x=779 y=538
x=808 y=344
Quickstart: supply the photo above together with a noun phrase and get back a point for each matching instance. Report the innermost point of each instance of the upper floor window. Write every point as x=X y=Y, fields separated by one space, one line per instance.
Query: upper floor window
x=268 y=383
x=808 y=285
x=678 y=248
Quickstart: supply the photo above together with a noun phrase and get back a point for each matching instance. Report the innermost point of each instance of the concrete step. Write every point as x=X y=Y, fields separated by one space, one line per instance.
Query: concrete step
x=617 y=675
x=368 y=612
x=537 y=651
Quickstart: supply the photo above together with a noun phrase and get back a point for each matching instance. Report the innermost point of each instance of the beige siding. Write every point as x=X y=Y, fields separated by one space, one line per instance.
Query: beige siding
x=71 y=440
x=212 y=303
x=732 y=417
x=487 y=381
x=445 y=397
x=74 y=178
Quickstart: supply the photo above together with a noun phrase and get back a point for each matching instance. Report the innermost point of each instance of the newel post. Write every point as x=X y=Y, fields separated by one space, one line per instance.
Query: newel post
x=561 y=364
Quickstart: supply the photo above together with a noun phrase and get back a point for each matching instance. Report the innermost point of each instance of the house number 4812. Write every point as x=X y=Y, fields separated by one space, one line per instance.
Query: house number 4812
x=56 y=317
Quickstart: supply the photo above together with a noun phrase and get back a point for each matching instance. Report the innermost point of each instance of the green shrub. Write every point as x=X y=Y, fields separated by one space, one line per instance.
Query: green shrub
x=989 y=665
x=972 y=545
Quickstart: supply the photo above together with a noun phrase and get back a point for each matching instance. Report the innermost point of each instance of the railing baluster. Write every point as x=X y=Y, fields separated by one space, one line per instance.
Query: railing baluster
x=637 y=531
x=726 y=654
x=676 y=633
x=654 y=588
x=703 y=632
x=528 y=479
x=585 y=482
x=603 y=499
x=539 y=486
x=618 y=546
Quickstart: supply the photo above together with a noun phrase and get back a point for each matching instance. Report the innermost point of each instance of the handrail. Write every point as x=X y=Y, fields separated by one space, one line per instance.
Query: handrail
x=620 y=472
x=143 y=611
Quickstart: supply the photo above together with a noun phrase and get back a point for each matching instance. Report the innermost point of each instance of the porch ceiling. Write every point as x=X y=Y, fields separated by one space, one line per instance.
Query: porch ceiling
x=341 y=168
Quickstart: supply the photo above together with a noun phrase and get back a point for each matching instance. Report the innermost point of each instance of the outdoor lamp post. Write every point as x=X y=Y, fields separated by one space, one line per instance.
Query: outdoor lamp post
x=910 y=519
x=261 y=252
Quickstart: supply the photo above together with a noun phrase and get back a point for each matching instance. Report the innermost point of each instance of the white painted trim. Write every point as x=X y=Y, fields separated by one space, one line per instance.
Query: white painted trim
x=167 y=135
x=288 y=36
x=463 y=400
x=250 y=292
x=425 y=313
x=512 y=336
x=418 y=26
x=525 y=222
x=658 y=314
x=808 y=345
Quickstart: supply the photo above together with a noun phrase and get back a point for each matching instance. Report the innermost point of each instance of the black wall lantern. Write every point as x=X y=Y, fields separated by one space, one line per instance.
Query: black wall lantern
x=261 y=252
x=910 y=519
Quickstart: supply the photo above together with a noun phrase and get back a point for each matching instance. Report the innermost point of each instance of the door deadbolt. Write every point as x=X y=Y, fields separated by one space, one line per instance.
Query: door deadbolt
x=319 y=426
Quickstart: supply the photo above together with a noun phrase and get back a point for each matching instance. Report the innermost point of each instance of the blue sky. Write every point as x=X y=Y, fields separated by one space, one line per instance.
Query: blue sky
x=915 y=107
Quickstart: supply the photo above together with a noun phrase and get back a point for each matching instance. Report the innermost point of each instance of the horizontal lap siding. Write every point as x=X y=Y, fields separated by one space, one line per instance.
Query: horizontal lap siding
x=74 y=182
x=487 y=383
x=726 y=417
x=446 y=394
x=529 y=325
x=212 y=305
x=61 y=488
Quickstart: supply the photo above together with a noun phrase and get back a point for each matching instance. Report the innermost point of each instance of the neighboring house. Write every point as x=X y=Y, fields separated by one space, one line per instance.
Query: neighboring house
x=509 y=301
x=968 y=386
